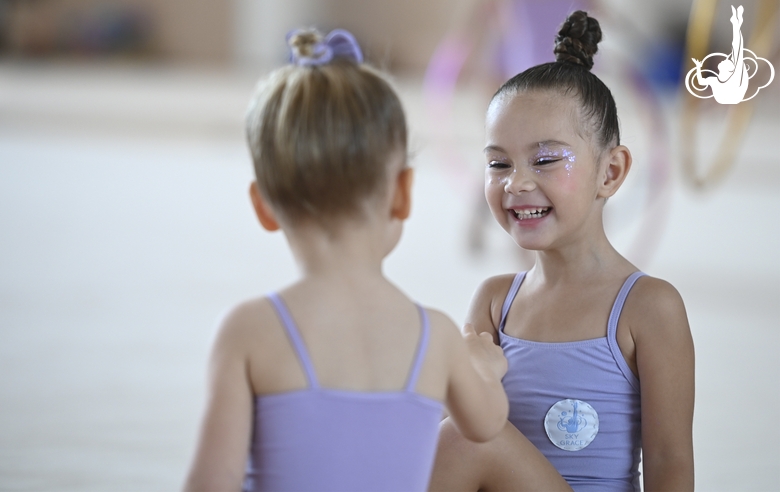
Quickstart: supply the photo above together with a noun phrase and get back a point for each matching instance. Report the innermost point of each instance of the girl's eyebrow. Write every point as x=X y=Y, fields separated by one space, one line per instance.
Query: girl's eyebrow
x=549 y=143
x=494 y=148
x=535 y=145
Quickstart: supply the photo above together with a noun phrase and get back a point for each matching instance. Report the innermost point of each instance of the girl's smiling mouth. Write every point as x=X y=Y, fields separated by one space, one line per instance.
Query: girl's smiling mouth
x=528 y=213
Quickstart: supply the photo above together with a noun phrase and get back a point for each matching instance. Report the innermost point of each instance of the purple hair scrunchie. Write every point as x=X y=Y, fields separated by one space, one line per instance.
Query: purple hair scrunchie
x=339 y=43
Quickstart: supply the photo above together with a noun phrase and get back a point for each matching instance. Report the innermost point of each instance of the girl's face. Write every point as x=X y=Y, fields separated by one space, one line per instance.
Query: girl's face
x=540 y=169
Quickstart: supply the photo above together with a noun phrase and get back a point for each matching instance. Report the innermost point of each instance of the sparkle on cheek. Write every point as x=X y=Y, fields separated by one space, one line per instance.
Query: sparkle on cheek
x=569 y=156
x=568 y=181
x=503 y=180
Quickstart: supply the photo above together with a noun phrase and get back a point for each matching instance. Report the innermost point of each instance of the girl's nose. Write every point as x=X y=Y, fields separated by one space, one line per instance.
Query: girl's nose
x=518 y=181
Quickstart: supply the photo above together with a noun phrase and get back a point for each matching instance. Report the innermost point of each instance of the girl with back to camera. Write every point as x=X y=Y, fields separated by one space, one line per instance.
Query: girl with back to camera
x=336 y=382
x=601 y=361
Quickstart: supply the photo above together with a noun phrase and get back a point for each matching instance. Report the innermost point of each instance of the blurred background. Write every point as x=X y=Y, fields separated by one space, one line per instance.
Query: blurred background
x=126 y=229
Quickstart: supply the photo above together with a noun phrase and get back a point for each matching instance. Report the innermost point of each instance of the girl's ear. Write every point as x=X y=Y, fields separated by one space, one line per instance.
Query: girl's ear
x=402 y=196
x=618 y=165
x=264 y=213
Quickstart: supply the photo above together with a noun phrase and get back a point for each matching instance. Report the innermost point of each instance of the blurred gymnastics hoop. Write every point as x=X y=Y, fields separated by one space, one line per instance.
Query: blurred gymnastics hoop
x=441 y=79
x=700 y=25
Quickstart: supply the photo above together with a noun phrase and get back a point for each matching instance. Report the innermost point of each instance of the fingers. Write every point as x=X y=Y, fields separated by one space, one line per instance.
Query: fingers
x=468 y=329
x=486 y=336
x=488 y=357
x=469 y=333
x=486 y=340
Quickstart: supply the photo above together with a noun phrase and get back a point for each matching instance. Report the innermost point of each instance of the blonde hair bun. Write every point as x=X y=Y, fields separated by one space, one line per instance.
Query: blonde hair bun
x=303 y=43
x=310 y=48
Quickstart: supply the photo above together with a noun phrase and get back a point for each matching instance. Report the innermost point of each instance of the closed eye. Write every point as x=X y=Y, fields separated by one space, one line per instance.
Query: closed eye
x=547 y=160
x=497 y=165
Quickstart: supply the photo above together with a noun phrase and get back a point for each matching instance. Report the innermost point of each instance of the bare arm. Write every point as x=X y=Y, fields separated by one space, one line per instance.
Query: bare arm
x=485 y=308
x=480 y=320
x=665 y=363
x=223 y=445
x=475 y=397
x=509 y=461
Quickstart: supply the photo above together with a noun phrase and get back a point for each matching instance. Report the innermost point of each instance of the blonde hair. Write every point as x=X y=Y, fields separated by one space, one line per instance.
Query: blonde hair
x=322 y=136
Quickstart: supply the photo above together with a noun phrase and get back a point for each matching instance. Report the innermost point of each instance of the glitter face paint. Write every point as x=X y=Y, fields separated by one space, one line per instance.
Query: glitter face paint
x=547 y=153
x=539 y=173
x=555 y=154
x=542 y=164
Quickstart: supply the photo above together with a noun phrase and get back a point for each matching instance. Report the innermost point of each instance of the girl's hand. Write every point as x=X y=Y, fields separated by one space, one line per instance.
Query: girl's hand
x=487 y=357
x=476 y=400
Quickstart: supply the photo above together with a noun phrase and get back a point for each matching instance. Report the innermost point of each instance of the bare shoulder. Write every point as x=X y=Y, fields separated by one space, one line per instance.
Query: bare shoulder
x=446 y=336
x=442 y=326
x=252 y=335
x=245 y=326
x=496 y=286
x=655 y=307
x=485 y=310
x=441 y=351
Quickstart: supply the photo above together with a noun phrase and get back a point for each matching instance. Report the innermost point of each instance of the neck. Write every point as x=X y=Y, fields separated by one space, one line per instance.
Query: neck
x=353 y=255
x=578 y=260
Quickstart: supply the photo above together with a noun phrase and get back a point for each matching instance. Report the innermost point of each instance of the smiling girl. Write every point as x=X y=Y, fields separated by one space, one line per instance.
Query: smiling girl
x=601 y=361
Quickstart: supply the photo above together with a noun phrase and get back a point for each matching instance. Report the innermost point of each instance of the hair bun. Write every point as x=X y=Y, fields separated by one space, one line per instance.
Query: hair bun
x=577 y=40
x=303 y=43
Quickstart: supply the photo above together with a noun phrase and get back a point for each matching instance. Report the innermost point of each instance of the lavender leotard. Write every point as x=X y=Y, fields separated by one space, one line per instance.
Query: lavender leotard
x=320 y=439
x=596 y=443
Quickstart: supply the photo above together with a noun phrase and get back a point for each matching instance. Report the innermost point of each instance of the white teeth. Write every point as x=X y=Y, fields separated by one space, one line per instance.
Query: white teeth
x=531 y=213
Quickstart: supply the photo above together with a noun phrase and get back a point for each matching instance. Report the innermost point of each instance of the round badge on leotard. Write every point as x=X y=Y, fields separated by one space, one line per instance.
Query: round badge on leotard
x=571 y=424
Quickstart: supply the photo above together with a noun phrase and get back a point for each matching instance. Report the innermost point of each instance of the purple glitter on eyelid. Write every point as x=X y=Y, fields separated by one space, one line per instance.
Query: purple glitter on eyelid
x=545 y=151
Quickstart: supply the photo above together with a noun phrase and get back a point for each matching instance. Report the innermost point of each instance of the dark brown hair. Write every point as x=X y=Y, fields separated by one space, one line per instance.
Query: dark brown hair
x=576 y=43
x=322 y=136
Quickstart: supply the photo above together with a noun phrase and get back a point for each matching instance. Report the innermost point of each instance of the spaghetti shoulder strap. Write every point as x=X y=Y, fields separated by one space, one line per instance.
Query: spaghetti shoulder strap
x=422 y=347
x=617 y=308
x=614 y=316
x=295 y=338
x=510 y=296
